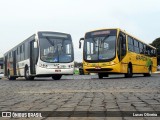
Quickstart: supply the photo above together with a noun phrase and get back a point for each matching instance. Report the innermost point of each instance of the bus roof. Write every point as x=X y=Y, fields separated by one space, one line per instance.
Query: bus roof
x=136 y=38
x=118 y=29
x=30 y=37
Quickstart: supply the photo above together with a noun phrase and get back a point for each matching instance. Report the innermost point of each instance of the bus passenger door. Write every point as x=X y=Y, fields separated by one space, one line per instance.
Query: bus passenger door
x=33 y=57
x=121 y=46
x=14 y=63
x=5 y=65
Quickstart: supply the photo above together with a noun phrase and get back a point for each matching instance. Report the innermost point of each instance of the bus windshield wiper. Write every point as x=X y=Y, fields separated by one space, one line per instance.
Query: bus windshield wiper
x=50 y=41
x=105 y=37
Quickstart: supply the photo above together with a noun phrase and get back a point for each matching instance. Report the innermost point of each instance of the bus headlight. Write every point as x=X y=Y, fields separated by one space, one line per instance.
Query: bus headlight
x=112 y=63
x=71 y=66
x=43 y=65
x=85 y=64
x=40 y=65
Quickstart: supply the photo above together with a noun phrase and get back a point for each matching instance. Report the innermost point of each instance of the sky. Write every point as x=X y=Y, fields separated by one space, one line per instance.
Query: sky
x=19 y=19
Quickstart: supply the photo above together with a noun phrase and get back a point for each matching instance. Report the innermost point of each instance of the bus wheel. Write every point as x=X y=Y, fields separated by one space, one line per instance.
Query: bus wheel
x=9 y=76
x=100 y=75
x=56 y=77
x=26 y=74
x=129 y=72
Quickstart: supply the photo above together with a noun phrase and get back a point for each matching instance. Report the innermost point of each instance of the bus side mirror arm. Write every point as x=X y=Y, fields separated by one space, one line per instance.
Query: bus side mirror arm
x=80 y=42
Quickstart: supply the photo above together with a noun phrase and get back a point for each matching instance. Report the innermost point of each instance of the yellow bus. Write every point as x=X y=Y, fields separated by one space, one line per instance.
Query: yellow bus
x=113 y=51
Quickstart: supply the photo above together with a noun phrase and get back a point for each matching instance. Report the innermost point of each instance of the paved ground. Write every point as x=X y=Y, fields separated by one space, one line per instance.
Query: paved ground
x=83 y=93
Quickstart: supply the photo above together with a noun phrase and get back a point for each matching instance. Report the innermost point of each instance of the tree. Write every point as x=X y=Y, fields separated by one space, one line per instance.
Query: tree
x=156 y=44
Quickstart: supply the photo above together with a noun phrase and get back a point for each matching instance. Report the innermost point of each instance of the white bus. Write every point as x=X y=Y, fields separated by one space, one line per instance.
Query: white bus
x=44 y=54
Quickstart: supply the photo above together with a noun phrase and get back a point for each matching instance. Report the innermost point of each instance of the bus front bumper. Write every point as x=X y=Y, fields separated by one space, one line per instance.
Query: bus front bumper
x=108 y=69
x=46 y=71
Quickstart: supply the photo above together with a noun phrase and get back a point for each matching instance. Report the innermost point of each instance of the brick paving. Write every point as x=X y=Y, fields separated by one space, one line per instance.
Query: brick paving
x=82 y=93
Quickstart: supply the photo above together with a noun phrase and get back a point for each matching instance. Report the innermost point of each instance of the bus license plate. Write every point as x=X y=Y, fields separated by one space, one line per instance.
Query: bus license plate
x=57 y=70
x=98 y=67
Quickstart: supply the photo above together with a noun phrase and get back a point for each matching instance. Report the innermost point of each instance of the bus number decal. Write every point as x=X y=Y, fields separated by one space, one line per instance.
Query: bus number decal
x=139 y=57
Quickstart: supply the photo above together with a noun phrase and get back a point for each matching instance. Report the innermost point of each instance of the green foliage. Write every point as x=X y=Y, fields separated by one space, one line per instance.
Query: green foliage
x=76 y=72
x=156 y=43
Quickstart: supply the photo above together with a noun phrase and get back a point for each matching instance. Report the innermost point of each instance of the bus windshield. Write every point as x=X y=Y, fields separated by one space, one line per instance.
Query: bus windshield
x=56 y=49
x=100 y=46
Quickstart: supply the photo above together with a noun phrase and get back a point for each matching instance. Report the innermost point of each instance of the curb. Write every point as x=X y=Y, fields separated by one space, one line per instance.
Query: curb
x=157 y=72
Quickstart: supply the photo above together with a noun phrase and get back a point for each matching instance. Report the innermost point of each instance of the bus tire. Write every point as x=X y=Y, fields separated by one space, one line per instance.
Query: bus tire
x=9 y=76
x=26 y=74
x=129 y=73
x=149 y=72
x=56 y=77
x=100 y=75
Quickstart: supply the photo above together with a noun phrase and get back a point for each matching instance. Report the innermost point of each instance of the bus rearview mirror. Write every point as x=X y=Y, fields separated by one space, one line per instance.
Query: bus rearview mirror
x=35 y=44
x=80 y=42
